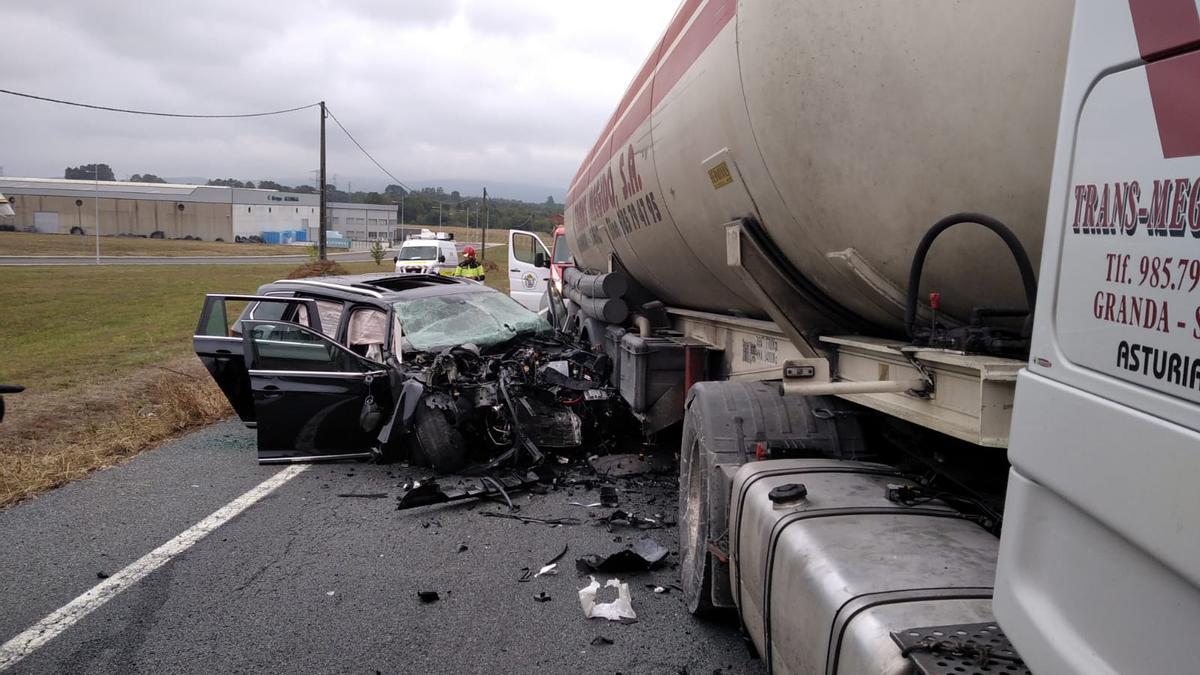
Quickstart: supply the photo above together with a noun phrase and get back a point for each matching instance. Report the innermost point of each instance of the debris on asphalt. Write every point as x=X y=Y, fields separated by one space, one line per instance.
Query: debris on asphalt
x=626 y=519
x=590 y=506
x=560 y=554
x=601 y=640
x=423 y=493
x=428 y=596
x=530 y=519
x=462 y=547
x=646 y=554
x=608 y=496
x=542 y=596
x=629 y=464
x=547 y=570
x=369 y=495
x=620 y=609
x=101 y=575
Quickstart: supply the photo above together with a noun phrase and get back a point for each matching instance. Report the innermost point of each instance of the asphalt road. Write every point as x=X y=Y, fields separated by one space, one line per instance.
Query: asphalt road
x=322 y=575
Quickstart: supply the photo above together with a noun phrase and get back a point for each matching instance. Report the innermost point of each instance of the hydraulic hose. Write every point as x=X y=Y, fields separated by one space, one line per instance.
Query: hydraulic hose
x=1001 y=230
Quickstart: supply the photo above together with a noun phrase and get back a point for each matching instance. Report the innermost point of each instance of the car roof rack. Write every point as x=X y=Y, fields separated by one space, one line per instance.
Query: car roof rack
x=353 y=288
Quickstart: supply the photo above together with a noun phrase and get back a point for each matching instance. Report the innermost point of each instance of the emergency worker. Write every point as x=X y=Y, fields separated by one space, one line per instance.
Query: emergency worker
x=468 y=267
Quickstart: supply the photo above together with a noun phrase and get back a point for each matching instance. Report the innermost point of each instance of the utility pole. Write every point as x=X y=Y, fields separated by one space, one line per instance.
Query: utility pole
x=439 y=214
x=321 y=234
x=97 y=200
x=487 y=213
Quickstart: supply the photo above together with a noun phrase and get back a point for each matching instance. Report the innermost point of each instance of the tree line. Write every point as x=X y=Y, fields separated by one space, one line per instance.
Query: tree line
x=427 y=206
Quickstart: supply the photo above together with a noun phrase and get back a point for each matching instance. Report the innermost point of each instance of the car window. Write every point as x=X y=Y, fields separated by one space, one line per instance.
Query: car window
x=562 y=252
x=524 y=247
x=428 y=252
x=478 y=318
x=281 y=346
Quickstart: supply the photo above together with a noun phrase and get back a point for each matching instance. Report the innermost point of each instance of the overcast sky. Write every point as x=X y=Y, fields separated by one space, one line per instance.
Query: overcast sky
x=492 y=90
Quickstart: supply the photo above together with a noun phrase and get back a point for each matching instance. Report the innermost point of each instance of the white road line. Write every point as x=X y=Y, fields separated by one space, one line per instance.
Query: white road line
x=47 y=629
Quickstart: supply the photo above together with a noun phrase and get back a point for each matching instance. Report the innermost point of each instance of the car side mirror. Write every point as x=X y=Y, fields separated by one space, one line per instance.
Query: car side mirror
x=441 y=258
x=395 y=258
x=539 y=260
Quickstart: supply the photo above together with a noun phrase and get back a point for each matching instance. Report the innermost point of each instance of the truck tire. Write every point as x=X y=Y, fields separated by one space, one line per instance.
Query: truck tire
x=435 y=442
x=723 y=424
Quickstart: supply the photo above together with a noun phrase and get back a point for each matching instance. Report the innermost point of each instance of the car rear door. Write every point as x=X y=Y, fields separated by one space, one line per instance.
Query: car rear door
x=311 y=394
x=526 y=280
x=218 y=340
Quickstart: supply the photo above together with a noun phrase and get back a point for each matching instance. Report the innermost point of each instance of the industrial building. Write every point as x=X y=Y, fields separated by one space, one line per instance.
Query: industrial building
x=208 y=212
x=362 y=222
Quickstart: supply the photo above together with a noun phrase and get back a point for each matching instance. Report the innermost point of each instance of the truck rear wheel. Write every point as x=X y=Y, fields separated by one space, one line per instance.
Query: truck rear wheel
x=695 y=569
x=723 y=424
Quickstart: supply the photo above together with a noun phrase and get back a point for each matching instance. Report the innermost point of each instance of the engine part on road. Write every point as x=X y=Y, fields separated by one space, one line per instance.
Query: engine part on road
x=646 y=554
x=424 y=493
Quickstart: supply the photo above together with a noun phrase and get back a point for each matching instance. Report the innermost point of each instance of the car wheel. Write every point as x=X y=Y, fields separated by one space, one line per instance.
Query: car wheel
x=435 y=442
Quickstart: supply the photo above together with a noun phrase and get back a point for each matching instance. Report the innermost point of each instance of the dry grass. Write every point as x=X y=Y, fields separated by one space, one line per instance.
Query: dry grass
x=52 y=437
x=26 y=243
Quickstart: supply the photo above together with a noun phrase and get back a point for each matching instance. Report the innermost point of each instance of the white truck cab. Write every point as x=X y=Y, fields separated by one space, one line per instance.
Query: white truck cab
x=426 y=253
x=1099 y=565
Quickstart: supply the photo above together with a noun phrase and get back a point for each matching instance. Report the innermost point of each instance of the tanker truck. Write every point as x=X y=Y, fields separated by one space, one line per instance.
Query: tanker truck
x=814 y=235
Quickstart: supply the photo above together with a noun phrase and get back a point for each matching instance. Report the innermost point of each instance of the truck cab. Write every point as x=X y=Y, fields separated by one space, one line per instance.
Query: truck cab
x=1099 y=566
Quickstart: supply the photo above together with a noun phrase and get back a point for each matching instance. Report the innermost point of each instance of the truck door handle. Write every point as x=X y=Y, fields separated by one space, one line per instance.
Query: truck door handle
x=513 y=269
x=270 y=387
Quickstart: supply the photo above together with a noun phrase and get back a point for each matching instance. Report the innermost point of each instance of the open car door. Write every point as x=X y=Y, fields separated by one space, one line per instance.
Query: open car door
x=218 y=339
x=528 y=268
x=313 y=398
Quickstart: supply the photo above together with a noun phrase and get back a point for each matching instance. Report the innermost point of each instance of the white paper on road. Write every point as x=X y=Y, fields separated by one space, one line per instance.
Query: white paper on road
x=621 y=608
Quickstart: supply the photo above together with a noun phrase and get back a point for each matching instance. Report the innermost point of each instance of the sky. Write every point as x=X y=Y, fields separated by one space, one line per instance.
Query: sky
x=511 y=91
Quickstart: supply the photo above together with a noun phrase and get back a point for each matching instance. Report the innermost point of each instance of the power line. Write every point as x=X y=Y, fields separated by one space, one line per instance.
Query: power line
x=364 y=151
x=152 y=113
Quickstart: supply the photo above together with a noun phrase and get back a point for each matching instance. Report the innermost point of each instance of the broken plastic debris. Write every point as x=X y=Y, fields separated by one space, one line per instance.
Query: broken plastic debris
x=620 y=609
x=646 y=554
x=428 y=596
x=608 y=496
x=547 y=570
x=601 y=640
x=542 y=596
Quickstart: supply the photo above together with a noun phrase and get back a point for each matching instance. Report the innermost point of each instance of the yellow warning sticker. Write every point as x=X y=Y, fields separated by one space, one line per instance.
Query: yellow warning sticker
x=720 y=176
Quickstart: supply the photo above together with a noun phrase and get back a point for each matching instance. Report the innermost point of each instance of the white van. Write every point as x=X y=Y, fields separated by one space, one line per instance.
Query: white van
x=421 y=255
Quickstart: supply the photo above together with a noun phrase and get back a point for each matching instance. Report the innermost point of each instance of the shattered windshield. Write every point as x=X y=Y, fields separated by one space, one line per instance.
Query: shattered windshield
x=418 y=252
x=480 y=318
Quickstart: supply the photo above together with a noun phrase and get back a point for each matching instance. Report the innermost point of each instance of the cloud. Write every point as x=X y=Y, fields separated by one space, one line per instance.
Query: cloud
x=476 y=89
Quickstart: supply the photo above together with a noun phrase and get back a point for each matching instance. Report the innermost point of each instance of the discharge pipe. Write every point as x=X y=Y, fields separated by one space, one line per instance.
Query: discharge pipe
x=610 y=285
x=608 y=310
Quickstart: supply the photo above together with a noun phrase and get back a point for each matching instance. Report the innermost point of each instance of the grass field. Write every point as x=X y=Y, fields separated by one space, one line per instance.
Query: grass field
x=26 y=243
x=106 y=356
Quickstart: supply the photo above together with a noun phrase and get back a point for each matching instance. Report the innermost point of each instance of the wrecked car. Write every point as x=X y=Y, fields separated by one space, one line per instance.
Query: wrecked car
x=443 y=371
